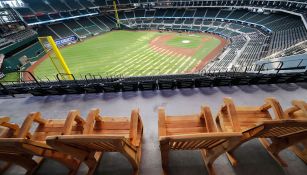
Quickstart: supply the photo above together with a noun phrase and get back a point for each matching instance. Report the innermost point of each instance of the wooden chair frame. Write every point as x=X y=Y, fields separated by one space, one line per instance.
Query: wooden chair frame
x=28 y=162
x=211 y=143
x=282 y=133
x=26 y=144
x=298 y=111
x=90 y=147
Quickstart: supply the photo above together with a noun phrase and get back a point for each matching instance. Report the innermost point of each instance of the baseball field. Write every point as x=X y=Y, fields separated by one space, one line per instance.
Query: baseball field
x=135 y=53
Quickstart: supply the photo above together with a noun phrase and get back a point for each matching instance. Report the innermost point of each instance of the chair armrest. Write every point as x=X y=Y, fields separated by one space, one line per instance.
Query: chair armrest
x=136 y=128
x=73 y=116
x=297 y=105
x=290 y=111
x=302 y=105
x=26 y=126
x=4 y=121
x=161 y=122
x=274 y=104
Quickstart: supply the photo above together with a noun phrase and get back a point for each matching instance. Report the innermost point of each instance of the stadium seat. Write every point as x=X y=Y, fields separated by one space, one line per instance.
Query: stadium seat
x=93 y=87
x=298 y=111
x=147 y=85
x=203 y=82
x=166 y=84
x=3 y=90
x=256 y=122
x=129 y=86
x=24 y=145
x=104 y=134
x=111 y=87
x=185 y=83
x=222 y=81
x=194 y=132
x=11 y=130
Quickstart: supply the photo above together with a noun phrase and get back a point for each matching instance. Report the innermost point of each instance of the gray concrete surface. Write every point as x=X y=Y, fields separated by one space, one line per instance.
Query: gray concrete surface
x=253 y=159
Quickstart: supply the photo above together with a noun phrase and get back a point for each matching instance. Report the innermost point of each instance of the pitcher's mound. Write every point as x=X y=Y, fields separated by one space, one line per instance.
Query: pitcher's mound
x=185 y=41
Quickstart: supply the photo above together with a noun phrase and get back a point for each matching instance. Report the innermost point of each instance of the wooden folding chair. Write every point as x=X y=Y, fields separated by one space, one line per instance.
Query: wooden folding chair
x=104 y=134
x=10 y=130
x=194 y=132
x=298 y=111
x=29 y=145
x=256 y=122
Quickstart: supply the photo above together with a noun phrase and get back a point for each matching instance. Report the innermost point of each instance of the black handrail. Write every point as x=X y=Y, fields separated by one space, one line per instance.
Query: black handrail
x=61 y=74
x=32 y=76
x=281 y=63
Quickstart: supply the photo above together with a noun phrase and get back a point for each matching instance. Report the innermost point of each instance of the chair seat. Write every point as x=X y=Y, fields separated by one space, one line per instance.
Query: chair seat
x=103 y=134
x=119 y=126
x=188 y=124
x=53 y=127
x=247 y=117
x=194 y=132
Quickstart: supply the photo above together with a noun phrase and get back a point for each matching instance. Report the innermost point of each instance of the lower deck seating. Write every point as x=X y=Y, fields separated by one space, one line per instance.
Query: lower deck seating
x=99 y=23
x=61 y=30
x=89 y=25
x=77 y=28
x=44 y=30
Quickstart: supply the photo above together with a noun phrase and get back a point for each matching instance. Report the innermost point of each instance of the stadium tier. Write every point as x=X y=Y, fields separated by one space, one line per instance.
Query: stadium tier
x=252 y=29
x=264 y=34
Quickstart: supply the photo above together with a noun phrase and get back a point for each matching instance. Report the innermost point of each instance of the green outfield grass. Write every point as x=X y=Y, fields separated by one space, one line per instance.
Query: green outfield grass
x=14 y=76
x=128 y=53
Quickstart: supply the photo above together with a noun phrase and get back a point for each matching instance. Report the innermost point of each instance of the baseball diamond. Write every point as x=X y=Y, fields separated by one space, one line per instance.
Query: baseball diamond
x=135 y=53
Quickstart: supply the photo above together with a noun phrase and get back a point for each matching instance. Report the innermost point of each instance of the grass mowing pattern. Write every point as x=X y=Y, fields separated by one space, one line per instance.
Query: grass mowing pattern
x=13 y=76
x=125 y=53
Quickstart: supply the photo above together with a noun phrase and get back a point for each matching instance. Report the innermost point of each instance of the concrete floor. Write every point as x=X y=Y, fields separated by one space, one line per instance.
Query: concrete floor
x=253 y=159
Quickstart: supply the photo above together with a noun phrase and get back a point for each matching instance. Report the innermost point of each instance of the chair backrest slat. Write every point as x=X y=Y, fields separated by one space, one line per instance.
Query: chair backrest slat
x=195 y=144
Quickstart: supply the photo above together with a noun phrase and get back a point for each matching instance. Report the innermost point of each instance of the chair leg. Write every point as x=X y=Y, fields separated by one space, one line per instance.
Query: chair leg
x=300 y=153
x=274 y=154
x=165 y=159
x=132 y=157
x=5 y=167
x=209 y=156
x=133 y=160
x=39 y=161
x=27 y=162
x=232 y=159
x=93 y=161
x=68 y=161
x=208 y=161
